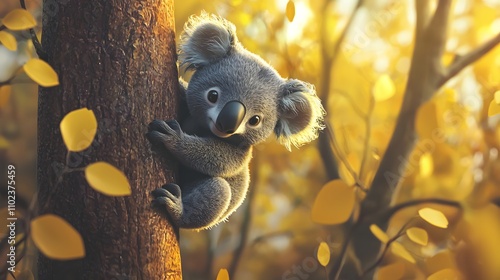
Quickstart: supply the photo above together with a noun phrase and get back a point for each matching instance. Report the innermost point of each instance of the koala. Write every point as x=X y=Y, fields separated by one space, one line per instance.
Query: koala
x=235 y=100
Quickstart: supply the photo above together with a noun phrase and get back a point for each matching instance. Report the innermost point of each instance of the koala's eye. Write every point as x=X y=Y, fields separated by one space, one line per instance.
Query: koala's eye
x=212 y=96
x=255 y=120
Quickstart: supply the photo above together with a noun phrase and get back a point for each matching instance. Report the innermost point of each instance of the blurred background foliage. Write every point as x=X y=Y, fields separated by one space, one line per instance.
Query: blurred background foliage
x=362 y=84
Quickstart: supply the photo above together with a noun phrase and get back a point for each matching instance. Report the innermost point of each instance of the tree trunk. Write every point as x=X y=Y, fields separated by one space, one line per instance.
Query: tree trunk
x=117 y=58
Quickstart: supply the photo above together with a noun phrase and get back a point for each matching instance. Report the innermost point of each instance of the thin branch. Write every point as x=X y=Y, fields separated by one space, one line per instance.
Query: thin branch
x=461 y=62
x=368 y=131
x=393 y=210
x=386 y=247
x=339 y=263
x=327 y=153
x=341 y=156
x=36 y=43
x=245 y=225
x=352 y=102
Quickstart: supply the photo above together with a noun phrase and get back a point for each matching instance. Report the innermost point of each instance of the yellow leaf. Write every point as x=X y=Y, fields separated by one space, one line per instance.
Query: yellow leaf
x=399 y=250
x=426 y=165
x=379 y=233
x=290 y=10
x=433 y=217
x=494 y=108
x=78 y=129
x=497 y=97
x=223 y=274
x=56 y=238
x=426 y=121
x=323 y=254
x=4 y=143
x=41 y=72
x=19 y=19
x=393 y=271
x=8 y=40
x=4 y=95
x=441 y=260
x=384 y=88
x=447 y=58
x=418 y=235
x=107 y=179
x=333 y=204
x=446 y=274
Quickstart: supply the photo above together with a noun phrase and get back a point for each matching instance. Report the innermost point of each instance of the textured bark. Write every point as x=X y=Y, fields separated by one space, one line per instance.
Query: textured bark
x=117 y=58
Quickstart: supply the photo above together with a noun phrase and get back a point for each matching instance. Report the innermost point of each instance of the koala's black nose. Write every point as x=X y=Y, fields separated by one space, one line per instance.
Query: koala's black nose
x=230 y=117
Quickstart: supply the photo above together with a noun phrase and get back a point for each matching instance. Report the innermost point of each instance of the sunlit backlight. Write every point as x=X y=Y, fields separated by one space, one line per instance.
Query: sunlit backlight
x=303 y=13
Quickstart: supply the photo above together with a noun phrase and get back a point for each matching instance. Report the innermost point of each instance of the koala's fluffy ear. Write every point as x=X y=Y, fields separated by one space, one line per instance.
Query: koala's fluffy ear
x=206 y=39
x=300 y=114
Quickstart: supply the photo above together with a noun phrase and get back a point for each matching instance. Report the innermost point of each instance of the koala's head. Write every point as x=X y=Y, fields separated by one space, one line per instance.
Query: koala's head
x=237 y=95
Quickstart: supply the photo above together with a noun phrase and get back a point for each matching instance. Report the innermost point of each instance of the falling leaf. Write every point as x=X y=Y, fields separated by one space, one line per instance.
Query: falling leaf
x=333 y=204
x=5 y=92
x=107 y=179
x=379 y=233
x=433 y=217
x=426 y=165
x=41 y=72
x=78 y=129
x=323 y=254
x=4 y=143
x=445 y=274
x=290 y=10
x=56 y=238
x=426 y=121
x=384 y=88
x=494 y=108
x=19 y=19
x=223 y=274
x=400 y=250
x=8 y=40
x=393 y=271
x=418 y=235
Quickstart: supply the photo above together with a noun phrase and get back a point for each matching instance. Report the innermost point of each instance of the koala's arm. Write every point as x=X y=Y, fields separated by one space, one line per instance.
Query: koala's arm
x=209 y=156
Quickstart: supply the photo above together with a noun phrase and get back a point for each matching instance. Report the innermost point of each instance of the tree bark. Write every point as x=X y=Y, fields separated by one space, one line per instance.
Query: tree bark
x=117 y=58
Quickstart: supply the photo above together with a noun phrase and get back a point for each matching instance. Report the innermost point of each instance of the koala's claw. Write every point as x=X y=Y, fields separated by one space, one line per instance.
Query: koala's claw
x=174 y=189
x=168 y=198
x=173 y=124
x=158 y=125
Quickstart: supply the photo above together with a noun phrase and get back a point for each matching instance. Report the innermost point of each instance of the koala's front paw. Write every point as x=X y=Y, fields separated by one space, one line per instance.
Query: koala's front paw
x=168 y=198
x=164 y=133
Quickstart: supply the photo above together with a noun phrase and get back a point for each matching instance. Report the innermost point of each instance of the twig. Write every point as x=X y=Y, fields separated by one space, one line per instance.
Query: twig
x=352 y=102
x=368 y=132
x=327 y=153
x=38 y=46
x=245 y=225
x=340 y=155
x=393 y=210
x=386 y=247
x=339 y=263
x=461 y=62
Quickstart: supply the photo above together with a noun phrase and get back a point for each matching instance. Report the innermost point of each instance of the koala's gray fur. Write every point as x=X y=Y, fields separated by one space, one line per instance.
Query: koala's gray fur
x=214 y=143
